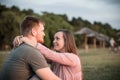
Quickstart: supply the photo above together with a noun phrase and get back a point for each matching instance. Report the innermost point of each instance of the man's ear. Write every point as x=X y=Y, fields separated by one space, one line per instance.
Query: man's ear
x=33 y=32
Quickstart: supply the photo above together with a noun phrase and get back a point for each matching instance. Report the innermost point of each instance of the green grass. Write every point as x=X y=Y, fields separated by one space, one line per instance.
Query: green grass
x=100 y=65
x=97 y=64
x=3 y=55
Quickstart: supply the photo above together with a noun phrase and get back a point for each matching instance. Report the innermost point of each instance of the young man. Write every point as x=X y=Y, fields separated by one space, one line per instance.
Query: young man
x=25 y=60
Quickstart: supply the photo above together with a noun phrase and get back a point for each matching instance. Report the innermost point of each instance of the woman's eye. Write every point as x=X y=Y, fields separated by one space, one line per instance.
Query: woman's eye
x=57 y=38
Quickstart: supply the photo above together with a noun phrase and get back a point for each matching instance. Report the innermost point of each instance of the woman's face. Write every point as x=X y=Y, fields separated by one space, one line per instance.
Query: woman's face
x=58 y=42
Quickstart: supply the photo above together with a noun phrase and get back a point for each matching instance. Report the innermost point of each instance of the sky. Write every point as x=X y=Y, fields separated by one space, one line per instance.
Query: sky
x=104 y=11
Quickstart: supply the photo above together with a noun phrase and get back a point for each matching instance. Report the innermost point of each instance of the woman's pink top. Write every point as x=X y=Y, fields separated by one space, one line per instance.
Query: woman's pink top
x=67 y=66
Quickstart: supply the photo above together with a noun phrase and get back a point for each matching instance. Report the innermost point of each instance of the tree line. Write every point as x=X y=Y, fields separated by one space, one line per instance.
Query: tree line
x=11 y=17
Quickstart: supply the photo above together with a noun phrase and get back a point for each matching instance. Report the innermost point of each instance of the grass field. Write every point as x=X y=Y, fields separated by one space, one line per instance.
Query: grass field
x=97 y=64
x=100 y=65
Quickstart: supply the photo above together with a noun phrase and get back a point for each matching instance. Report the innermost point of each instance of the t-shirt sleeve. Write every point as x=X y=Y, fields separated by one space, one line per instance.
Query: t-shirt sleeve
x=36 y=60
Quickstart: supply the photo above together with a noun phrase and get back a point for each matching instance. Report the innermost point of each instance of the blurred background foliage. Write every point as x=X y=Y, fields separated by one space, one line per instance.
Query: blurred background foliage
x=10 y=19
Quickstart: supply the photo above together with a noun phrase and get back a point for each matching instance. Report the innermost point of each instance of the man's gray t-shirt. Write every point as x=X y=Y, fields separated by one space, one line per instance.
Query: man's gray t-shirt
x=22 y=63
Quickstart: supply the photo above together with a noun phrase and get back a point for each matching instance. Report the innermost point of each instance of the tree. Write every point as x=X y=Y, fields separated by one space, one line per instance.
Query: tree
x=9 y=27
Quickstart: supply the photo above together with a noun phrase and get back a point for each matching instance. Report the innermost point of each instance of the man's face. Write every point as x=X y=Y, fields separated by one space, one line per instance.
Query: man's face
x=40 y=33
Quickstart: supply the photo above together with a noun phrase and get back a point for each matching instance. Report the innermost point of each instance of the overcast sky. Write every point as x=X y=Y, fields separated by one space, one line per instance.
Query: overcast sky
x=105 y=11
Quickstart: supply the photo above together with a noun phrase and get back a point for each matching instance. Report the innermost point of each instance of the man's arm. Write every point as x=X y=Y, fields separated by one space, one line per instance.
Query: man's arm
x=46 y=74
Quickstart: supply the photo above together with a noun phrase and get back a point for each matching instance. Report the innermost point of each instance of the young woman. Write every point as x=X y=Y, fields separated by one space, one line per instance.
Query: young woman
x=65 y=62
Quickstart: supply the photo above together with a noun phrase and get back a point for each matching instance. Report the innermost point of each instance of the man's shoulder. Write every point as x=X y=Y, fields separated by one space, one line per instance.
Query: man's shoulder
x=26 y=46
x=25 y=50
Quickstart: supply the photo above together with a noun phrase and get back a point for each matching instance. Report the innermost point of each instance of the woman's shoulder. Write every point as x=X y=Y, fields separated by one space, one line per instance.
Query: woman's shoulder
x=72 y=56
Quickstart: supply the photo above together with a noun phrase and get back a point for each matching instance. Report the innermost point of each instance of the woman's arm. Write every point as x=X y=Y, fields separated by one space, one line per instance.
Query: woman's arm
x=50 y=75
x=61 y=58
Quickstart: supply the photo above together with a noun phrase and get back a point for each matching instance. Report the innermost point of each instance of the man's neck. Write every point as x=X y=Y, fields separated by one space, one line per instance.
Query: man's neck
x=32 y=40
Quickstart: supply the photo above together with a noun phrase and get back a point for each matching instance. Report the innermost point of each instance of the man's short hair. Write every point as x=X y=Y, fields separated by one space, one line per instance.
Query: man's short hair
x=28 y=23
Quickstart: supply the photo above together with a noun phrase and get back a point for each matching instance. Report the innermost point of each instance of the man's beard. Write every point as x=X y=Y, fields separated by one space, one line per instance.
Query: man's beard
x=40 y=41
